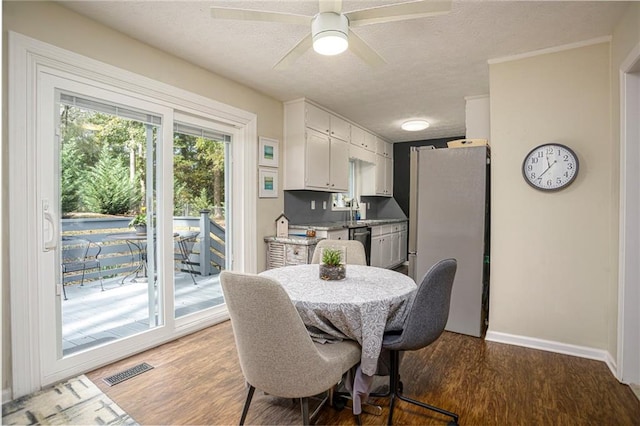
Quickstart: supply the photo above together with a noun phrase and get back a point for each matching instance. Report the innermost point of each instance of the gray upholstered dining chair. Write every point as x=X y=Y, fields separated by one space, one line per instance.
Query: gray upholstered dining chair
x=275 y=350
x=425 y=322
x=354 y=250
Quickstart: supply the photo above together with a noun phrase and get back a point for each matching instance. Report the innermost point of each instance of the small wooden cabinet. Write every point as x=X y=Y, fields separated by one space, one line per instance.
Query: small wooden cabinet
x=289 y=251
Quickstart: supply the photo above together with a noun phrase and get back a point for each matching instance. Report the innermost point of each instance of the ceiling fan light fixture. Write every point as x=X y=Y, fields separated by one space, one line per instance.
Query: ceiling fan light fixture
x=330 y=33
x=415 y=125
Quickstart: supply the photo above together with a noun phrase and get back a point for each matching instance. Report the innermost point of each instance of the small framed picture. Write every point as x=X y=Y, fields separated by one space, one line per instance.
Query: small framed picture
x=268 y=155
x=268 y=179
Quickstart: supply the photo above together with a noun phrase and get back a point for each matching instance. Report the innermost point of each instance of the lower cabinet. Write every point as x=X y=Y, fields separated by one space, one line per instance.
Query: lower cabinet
x=389 y=245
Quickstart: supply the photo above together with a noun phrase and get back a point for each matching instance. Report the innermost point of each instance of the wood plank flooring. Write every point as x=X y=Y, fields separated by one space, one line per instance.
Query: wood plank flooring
x=197 y=380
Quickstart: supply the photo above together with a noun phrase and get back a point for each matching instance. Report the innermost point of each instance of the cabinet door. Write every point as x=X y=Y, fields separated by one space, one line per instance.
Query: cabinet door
x=388 y=176
x=394 y=242
x=370 y=142
x=342 y=234
x=380 y=175
x=376 y=251
x=339 y=166
x=385 y=251
x=317 y=161
x=357 y=136
x=318 y=119
x=340 y=128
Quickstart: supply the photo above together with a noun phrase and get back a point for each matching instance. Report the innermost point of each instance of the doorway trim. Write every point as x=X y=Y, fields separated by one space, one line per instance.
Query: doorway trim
x=27 y=57
x=628 y=359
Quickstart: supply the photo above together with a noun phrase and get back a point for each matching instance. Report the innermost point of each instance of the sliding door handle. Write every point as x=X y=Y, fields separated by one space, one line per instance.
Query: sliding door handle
x=49 y=228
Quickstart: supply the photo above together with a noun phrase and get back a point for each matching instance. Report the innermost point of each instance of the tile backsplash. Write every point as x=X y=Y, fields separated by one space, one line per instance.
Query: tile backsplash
x=297 y=208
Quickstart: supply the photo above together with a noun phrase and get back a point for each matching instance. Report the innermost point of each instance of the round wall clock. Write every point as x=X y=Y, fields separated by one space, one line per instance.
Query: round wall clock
x=550 y=167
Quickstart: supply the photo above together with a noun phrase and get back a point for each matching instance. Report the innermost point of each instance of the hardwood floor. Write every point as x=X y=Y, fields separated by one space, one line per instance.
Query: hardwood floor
x=197 y=380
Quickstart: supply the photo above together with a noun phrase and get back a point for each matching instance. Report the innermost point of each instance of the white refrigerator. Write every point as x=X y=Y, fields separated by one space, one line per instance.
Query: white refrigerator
x=449 y=218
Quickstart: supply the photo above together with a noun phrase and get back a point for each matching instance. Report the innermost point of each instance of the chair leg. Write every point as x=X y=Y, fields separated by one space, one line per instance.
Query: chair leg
x=100 y=276
x=394 y=382
x=64 y=290
x=396 y=392
x=247 y=402
x=304 y=405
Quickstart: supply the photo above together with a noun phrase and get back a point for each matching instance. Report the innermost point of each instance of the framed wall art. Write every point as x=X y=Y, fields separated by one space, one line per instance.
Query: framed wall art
x=268 y=181
x=268 y=154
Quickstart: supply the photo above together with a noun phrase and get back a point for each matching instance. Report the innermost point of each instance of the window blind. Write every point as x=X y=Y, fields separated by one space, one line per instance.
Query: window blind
x=119 y=111
x=200 y=132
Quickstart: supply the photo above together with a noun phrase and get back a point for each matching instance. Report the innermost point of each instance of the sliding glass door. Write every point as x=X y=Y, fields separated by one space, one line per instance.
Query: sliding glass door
x=135 y=221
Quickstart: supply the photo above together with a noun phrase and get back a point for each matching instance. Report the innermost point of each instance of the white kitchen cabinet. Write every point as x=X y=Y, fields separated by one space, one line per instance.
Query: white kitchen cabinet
x=384 y=148
x=388 y=245
x=325 y=122
x=316 y=154
x=336 y=234
x=363 y=139
x=357 y=148
x=378 y=177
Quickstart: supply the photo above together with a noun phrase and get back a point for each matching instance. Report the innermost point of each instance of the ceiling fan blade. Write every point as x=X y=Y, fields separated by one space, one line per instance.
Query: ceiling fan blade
x=398 y=12
x=362 y=50
x=258 y=15
x=330 y=6
x=293 y=55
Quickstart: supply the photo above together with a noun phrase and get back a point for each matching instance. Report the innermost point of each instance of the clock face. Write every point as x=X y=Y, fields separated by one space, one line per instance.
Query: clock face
x=550 y=167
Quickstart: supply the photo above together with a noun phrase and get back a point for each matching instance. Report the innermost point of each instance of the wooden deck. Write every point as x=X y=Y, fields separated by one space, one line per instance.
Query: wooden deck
x=91 y=316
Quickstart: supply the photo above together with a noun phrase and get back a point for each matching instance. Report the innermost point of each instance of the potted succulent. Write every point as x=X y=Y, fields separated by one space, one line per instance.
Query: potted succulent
x=332 y=267
x=139 y=222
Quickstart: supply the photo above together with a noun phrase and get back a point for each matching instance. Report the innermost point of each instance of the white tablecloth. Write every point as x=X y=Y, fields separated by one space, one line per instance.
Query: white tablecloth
x=368 y=302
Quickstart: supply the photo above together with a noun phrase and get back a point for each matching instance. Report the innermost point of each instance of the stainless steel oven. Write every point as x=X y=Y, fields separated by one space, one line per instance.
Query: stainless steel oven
x=362 y=234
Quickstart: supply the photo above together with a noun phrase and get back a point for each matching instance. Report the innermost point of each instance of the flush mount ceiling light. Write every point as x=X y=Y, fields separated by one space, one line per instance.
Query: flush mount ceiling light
x=414 y=125
x=330 y=33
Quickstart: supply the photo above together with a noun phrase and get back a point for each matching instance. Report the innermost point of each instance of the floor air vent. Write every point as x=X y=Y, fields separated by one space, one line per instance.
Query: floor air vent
x=127 y=374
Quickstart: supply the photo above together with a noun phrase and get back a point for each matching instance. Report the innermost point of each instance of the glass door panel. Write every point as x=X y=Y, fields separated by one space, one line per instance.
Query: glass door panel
x=200 y=168
x=107 y=185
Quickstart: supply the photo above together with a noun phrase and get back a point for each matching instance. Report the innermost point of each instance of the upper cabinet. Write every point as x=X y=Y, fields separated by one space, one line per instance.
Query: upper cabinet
x=361 y=147
x=377 y=179
x=316 y=154
x=317 y=148
x=384 y=148
x=325 y=122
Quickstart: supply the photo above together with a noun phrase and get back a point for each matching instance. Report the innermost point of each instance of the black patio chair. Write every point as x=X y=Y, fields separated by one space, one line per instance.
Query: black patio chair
x=79 y=255
x=185 y=242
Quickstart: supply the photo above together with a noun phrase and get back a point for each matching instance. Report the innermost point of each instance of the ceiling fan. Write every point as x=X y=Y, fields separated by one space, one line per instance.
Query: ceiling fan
x=331 y=32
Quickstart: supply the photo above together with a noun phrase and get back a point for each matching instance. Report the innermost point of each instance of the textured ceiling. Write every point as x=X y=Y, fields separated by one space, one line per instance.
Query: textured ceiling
x=432 y=63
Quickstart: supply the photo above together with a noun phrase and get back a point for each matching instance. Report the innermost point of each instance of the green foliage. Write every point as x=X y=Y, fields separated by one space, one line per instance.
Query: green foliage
x=99 y=152
x=331 y=257
x=198 y=173
x=108 y=189
x=70 y=179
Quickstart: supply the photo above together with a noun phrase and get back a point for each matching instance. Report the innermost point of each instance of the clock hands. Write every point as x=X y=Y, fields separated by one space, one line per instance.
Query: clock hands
x=550 y=165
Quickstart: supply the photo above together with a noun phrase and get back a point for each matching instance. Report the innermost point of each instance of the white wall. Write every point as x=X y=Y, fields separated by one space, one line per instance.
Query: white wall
x=553 y=255
x=477 y=117
x=57 y=25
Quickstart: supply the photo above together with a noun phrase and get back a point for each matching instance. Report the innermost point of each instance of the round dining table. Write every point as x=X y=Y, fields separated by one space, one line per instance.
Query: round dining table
x=360 y=307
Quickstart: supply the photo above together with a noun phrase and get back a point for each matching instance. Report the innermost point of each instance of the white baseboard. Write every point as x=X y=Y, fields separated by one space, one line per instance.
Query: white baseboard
x=552 y=346
x=6 y=395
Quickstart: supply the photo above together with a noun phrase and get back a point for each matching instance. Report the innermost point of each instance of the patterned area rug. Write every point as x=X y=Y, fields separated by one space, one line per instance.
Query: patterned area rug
x=75 y=402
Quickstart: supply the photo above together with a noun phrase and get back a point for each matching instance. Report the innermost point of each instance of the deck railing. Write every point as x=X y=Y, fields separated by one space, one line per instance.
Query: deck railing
x=117 y=257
